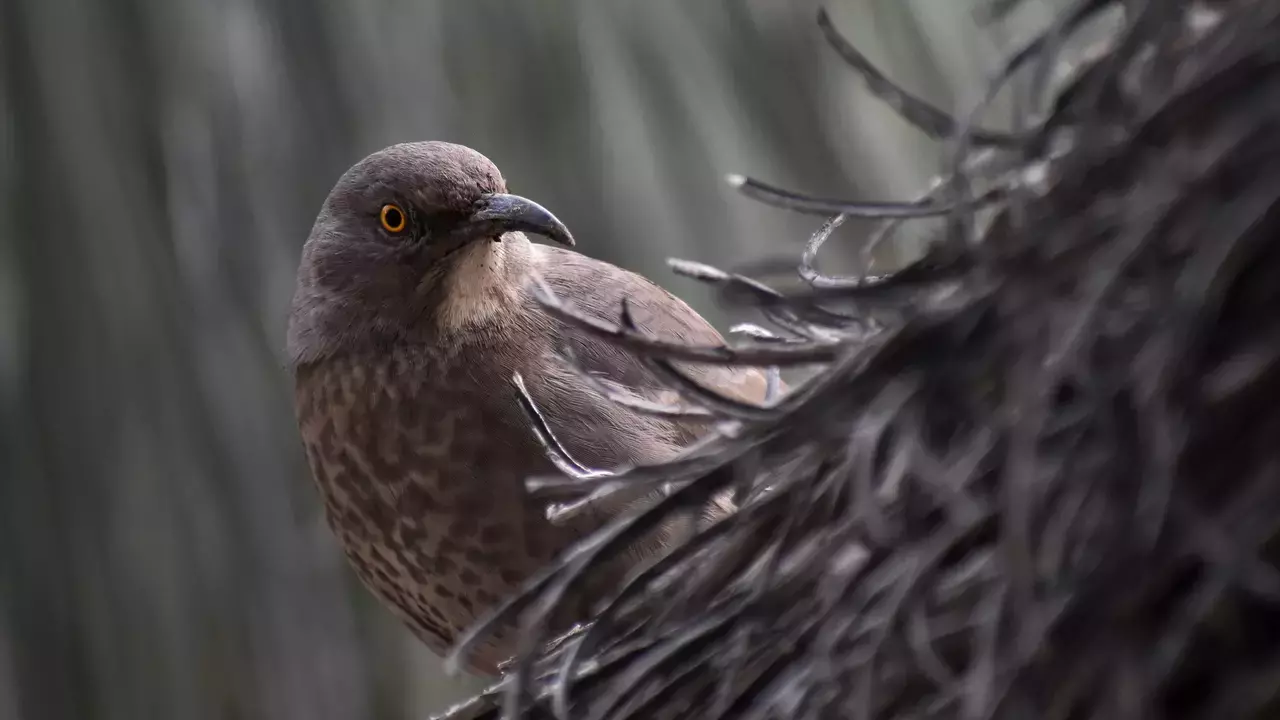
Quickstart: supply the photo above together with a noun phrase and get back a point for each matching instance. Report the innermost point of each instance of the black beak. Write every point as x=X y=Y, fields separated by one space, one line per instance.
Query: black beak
x=498 y=213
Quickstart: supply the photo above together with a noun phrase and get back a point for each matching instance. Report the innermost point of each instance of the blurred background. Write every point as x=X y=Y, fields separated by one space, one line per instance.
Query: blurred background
x=162 y=553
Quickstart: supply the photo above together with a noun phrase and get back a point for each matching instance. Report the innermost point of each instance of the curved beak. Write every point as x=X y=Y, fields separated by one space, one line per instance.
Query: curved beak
x=498 y=213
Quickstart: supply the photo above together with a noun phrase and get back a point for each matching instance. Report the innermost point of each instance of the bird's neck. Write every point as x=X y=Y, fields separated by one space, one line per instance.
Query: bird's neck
x=476 y=294
x=482 y=285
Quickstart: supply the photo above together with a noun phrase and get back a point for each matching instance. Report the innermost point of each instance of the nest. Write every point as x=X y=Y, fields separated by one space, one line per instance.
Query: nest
x=1038 y=472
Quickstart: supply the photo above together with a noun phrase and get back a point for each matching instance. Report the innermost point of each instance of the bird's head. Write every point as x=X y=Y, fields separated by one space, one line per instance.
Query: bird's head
x=393 y=232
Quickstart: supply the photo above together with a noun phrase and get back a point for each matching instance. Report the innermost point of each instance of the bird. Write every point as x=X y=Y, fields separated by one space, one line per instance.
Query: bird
x=415 y=306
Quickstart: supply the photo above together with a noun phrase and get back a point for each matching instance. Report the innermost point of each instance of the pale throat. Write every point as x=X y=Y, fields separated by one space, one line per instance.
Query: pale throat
x=486 y=277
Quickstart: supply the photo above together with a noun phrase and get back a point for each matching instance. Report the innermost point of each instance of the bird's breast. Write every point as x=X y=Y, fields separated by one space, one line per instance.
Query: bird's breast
x=421 y=472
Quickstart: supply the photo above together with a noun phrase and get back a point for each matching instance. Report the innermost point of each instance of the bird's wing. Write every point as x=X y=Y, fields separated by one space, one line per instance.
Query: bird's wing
x=597 y=430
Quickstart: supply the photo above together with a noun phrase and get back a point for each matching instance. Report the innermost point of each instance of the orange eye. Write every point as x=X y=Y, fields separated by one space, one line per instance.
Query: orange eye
x=393 y=218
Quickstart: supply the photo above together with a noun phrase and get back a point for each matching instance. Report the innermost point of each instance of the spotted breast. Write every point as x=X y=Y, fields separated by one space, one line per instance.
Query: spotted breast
x=423 y=487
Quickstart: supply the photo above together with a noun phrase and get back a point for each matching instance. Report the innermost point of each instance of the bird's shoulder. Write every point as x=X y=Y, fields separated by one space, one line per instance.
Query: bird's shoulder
x=597 y=289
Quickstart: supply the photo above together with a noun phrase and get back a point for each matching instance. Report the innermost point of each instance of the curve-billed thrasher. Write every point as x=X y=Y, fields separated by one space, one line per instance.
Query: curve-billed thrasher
x=412 y=313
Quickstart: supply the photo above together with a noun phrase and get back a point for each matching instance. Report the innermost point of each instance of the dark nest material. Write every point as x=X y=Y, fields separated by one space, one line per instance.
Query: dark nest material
x=1038 y=472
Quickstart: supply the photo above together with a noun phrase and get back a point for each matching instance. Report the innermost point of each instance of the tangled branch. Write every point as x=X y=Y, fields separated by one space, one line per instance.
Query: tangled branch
x=1042 y=479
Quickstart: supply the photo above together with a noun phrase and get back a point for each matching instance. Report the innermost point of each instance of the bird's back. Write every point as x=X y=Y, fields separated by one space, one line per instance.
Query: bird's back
x=656 y=312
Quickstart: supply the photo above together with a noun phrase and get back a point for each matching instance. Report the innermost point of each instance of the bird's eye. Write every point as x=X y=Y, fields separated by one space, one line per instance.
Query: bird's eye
x=393 y=218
